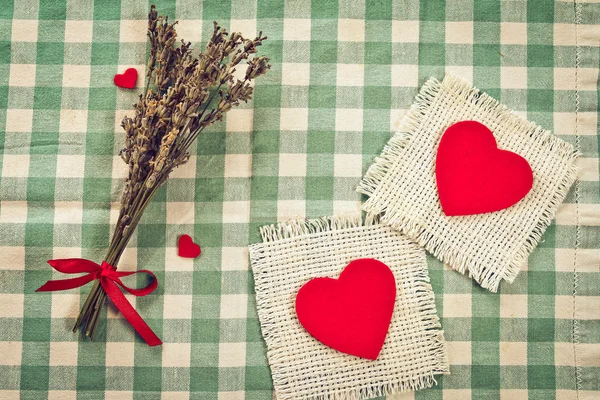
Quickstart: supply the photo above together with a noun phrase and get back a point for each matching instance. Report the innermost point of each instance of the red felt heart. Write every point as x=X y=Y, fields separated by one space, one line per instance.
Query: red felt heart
x=187 y=248
x=474 y=176
x=351 y=314
x=127 y=79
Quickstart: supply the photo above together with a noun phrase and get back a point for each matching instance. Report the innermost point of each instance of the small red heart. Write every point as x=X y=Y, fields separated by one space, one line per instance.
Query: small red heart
x=187 y=248
x=474 y=176
x=351 y=314
x=127 y=79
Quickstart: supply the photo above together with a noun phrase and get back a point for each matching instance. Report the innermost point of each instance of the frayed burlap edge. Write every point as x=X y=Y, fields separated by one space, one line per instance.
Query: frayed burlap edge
x=294 y=229
x=391 y=154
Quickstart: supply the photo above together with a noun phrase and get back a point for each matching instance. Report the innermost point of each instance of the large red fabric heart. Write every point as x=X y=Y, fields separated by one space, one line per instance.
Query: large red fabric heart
x=351 y=314
x=187 y=248
x=474 y=176
x=127 y=79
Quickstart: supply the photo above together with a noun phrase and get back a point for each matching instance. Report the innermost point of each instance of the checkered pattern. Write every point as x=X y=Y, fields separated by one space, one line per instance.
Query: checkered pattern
x=343 y=73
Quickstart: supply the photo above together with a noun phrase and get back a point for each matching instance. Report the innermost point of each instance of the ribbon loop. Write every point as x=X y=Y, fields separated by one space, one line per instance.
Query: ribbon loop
x=109 y=279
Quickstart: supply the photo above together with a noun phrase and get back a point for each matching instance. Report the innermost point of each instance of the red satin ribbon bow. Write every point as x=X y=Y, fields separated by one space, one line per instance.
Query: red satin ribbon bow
x=109 y=279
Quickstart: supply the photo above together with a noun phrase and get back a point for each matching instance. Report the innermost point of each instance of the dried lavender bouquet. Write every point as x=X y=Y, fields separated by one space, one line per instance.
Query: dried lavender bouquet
x=183 y=95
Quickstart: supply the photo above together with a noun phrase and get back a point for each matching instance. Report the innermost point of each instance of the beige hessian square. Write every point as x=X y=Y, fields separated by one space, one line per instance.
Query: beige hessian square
x=15 y=165
x=238 y=165
x=234 y=306
x=120 y=354
x=350 y=74
x=459 y=32
x=232 y=354
x=347 y=165
x=11 y=353
x=351 y=30
x=459 y=353
x=513 y=33
x=68 y=212
x=190 y=30
x=236 y=212
x=292 y=164
x=405 y=75
x=19 y=120
x=63 y=353
x=70 y=166
x=405 y=31
x=402 y=190
x=73 y=120
x=513 y=77
x=295 y=251
x=513 y=306
x=22 y=75
x=76 y=75
x=513 y=353
x=349 y=119
x=295 y=74
x=177 y=306
x=133 y=30
x=234 y=259
x=12 y=305
x=176 y=354
x=293 y=119
x=296 y=29
x=12 y=258
x=247 y=27
x=79 y=31
x=239 y=120
x=24 y=30
x=457 y=305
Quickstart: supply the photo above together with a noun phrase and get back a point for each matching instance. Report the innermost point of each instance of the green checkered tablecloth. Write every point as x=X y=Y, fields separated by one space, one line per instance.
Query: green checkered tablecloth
x=343 y=74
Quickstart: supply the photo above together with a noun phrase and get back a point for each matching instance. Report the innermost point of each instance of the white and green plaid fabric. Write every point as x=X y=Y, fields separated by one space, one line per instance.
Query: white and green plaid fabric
x=343 y=73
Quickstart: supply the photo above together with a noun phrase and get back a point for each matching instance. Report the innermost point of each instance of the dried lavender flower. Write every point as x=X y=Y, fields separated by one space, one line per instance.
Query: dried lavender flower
x=183 y=95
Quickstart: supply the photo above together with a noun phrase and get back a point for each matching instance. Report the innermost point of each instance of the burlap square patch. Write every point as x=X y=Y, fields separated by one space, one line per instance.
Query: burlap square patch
x=402 y=189
x=303 y=368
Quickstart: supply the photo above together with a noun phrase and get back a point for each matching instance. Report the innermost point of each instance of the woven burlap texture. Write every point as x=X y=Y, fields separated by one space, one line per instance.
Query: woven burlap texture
x=294 y=252
x=402 y=189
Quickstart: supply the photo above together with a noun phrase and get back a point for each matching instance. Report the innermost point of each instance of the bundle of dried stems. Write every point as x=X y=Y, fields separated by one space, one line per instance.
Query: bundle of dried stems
x=184 y=94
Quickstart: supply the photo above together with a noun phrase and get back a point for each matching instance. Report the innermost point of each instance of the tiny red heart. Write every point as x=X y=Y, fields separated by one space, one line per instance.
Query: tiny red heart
x=187 y=248
x=474 y=176
x=351 y=314
x=127 y=79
